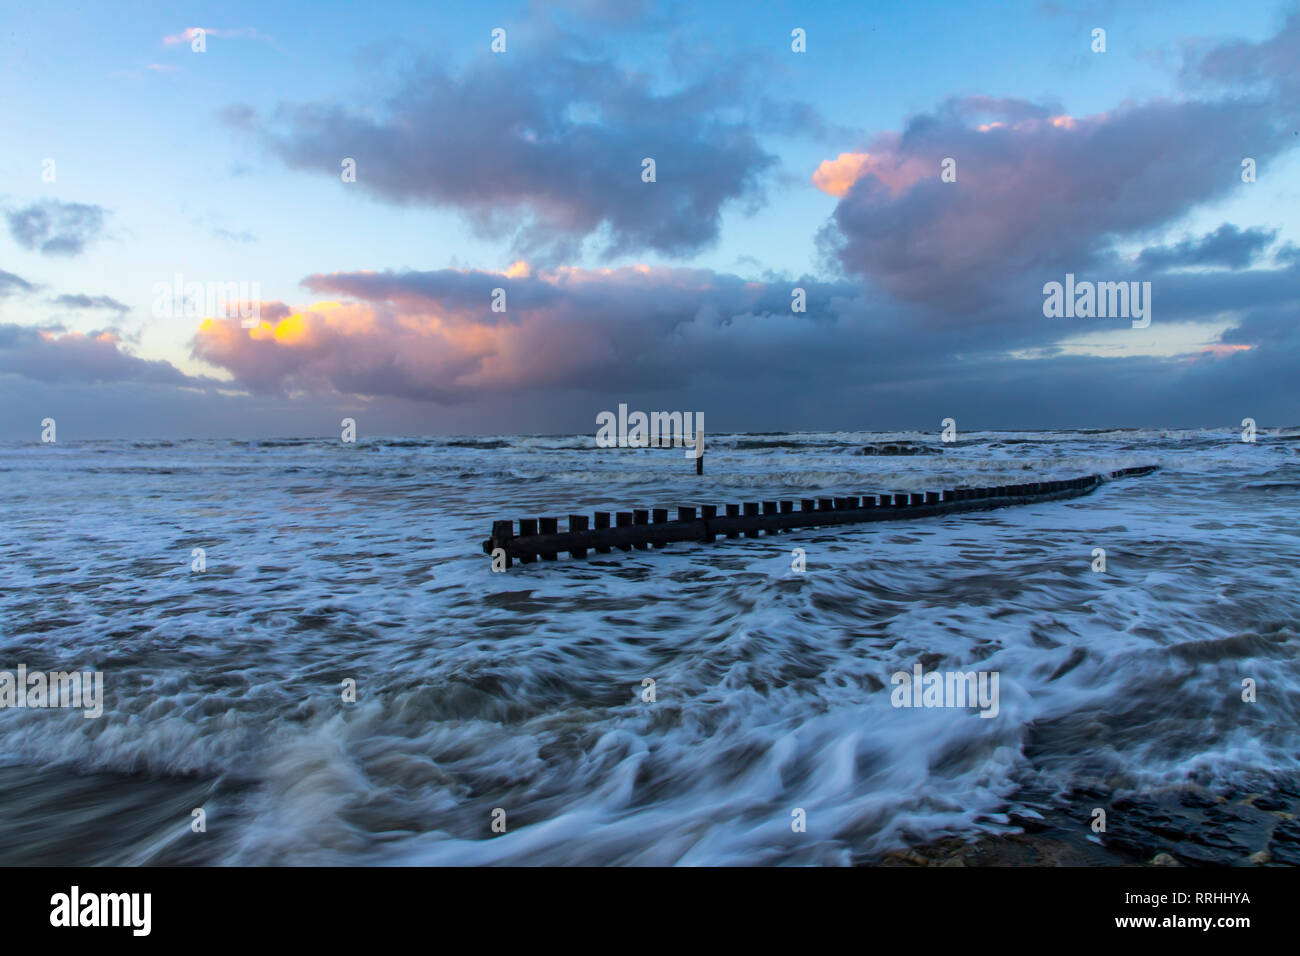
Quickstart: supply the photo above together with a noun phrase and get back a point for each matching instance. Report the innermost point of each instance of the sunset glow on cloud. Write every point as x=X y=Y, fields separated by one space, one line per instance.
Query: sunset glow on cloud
x=896 y=172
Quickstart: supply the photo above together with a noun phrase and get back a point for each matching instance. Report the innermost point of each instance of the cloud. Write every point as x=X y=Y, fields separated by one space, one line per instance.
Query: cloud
x=607 y=13
x=701 y=336
x=547 y=149
x=91 y=302
x=577 y=340
x=11 y=284
x=189 y=33
x=56 y=228
x=45 y=355
x=837 y=176
x=1227 y=246
x=1271 y=63
x=1034 y=196
x=432 y=336
x=242 y=236
x=1040 y=192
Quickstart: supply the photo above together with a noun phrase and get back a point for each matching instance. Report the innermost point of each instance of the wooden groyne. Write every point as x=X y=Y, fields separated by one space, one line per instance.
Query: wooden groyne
x=645 y=528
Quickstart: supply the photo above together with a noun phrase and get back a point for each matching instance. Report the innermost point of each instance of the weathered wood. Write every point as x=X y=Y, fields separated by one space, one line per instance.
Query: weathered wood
x=527 y=529
x=602 y=521
x=708 y=513
x=548 y=526
x=658 y=516
x=624 y=520
x=578 y=523
x=634 y=530
x=502 y=532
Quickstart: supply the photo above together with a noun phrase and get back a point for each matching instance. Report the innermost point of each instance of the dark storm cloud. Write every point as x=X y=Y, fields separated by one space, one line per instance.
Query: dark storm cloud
x=56 y=228
x=548 y=149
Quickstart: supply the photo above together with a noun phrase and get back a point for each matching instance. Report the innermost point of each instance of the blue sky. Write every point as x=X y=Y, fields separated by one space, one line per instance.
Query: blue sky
x=219 y=166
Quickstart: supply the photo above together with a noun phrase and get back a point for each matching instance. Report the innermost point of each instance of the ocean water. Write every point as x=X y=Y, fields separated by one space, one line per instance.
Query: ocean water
x=522 y=691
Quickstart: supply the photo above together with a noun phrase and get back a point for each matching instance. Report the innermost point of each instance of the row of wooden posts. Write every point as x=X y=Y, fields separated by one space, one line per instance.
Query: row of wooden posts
x=645 y=528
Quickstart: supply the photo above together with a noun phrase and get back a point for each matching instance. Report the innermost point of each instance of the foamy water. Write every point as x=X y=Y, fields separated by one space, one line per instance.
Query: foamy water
x=522 y=690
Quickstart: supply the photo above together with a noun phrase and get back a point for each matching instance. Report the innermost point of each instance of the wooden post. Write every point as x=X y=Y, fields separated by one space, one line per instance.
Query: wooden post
x=527 y=529
x=699 y=451
x=578 y=523
x=633 y=528
x=602 y=521
x=659 y=516
x=548 y=526
x=502 y=532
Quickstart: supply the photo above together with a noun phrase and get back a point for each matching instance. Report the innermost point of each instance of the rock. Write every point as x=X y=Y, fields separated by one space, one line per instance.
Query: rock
x=904 y=858
x=1164 y=859
x=899 y=448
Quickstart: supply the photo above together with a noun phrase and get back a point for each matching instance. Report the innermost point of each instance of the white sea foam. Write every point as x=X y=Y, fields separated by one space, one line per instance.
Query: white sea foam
x=521 y=690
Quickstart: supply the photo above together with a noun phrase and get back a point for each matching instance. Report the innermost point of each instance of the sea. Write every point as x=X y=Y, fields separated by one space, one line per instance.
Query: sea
x=308 y=659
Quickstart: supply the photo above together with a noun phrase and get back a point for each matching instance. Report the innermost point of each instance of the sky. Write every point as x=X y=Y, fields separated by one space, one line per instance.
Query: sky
x=921 y=171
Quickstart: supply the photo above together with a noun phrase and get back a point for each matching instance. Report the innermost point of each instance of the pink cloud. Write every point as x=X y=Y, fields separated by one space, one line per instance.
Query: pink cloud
x=434 y=336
